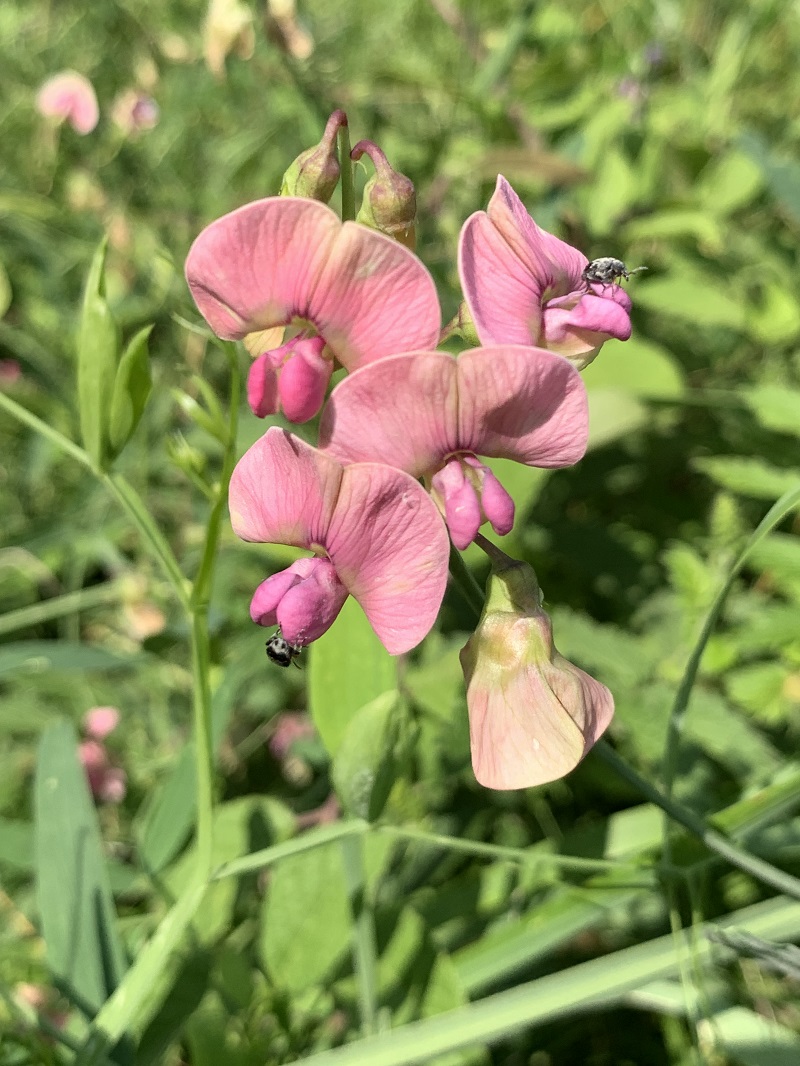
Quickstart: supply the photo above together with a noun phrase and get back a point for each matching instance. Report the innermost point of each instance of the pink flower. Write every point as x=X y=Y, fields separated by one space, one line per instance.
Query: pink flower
x=69 y=97
x=524 y=286
x=100 y=721
x=351 y=294
x=431 y=415
x=108 y=783
x=375 y=534
x=134 y=112
x=532 y=714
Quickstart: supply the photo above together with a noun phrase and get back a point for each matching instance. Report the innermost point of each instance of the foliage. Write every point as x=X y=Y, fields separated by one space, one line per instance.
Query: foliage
x=566 y=923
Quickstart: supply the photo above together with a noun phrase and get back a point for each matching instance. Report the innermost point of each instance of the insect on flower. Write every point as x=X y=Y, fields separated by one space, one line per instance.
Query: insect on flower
x=606 y=270
x=280 y=651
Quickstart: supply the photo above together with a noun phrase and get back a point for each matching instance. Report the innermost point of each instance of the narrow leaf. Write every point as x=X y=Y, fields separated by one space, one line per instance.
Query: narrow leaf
x=98 y=345
x=132 y=386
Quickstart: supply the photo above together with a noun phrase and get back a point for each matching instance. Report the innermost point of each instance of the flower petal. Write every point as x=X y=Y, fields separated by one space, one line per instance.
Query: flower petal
x=257 y=267
x=530 y=723
x=521 y=403
x=283 y=491
x=70 y=97
x=593 y=314
x=262 y=387
x=504 y=298
x=303 y=600
x=375 y=299
x=390 y=548
x=304 y=380
x=462 y=509
x=496 y=503
x=402 y=411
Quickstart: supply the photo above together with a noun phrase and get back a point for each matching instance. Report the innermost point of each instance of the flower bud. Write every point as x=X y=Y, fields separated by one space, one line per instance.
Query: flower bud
x=315 y=172
x=532 y=714
x=303 y=600
x=390 y=202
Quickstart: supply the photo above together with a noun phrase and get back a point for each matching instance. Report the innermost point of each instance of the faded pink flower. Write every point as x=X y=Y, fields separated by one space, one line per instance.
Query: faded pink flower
x=69 y=97
x=532 y=714
x=350 y=294
x=375 y=534
x=289 y=727
x=100 y=721
x=108 y=783
x=524 y=286
x=134 y=112
x=432 y=415
x=10 y=372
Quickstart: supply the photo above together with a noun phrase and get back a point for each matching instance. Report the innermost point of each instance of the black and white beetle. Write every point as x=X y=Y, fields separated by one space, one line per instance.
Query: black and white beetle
x=606 y=270
x=280 y=651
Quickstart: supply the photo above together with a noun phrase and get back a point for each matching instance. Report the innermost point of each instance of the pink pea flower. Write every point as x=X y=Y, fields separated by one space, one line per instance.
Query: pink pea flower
x=533 y=715
x=513 y=402
x=351 y=294
x=375 y=534
x=100 y=721
x=524 y=286
x=69 y=97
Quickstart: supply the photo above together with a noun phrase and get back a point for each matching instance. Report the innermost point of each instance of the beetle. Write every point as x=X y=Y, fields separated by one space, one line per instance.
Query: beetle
x=280 y=651
x=606 y=270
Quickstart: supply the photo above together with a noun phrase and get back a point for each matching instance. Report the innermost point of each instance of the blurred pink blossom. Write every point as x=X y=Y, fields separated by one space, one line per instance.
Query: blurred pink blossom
x=350 y=294
x=374 y=531
x=524 y=286
x=69 y=97
x=10 y=372
x=289 y=727
x=108 y=783
x=100 y=721
x=432 y=415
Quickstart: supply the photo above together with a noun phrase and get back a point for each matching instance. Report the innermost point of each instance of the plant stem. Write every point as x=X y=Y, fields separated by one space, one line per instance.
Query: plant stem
x=364 y=947
x=346 y=165
x=63 y=443
x=469 y=588
x=59 y=606
x=713 y=840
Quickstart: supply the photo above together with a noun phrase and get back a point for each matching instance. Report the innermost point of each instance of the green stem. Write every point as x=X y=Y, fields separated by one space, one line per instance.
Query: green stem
x=498 y=851
x=365 y=951
x=131 y=502
x=469 y=588
x=762 y=871
x=63 y=443
x=59 y=606
x=346 y=165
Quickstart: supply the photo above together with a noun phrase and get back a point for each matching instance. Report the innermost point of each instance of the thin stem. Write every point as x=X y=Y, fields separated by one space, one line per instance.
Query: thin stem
x=131 y=502
x=469 y=588
x=498 y=851
x=59 y=606
x=365 y=951
x=346 y=165
x=63 y=443
x=714 y=841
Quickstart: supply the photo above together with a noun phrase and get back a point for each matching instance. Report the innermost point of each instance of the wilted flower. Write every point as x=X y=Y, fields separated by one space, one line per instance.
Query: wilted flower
x=374 y=532
x=532 y=714
x=524 y=286
x=352 y=294
x=432 y=415
x=69 y=97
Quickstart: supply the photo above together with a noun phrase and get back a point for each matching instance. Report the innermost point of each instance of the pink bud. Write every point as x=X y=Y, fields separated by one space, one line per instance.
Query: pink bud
x=100 y=721
x=303 y=600
x=304 y=379
x=533 y=715
x=262 y=386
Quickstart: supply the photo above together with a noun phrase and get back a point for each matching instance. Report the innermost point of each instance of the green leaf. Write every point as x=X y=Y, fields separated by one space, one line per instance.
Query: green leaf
x=38 y=656
x=750 y=1039
x=98 y=346
x=16 y=844
x=187 y=988
x=612 y=414
x=72 y=888
x=692 y=296
x=776 y=407
x=368 y=759
x=636 y=366
x=132 y=386
x=675 y=225
x=305 y=918
x=730 y=181
x=349 y=668
x=748 y=477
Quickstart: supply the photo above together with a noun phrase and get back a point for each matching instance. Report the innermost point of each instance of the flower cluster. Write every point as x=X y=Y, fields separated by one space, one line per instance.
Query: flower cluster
x=401 y=465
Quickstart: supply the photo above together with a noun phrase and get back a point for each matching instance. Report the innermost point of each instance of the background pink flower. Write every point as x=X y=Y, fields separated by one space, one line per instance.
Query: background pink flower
x=69 y=97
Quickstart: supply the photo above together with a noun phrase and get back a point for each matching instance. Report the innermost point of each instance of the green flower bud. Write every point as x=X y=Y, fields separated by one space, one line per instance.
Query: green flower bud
x=390 y=202
x=315 y=172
